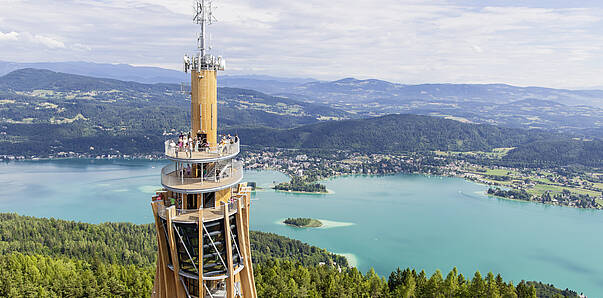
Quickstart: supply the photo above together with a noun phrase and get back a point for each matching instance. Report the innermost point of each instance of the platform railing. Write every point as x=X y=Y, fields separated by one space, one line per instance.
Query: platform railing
x=226 y=148
x=223 y=174
x=232 y=208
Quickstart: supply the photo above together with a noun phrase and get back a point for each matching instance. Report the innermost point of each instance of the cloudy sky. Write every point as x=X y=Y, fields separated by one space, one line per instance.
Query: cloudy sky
x=544 y=43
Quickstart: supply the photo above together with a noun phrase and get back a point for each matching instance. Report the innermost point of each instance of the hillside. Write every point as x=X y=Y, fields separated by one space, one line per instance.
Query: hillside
x=394 y=133
x=129 y=244
x=124 y=72
x=557 y=152
x=412 y=133
x=368 y=90
x=573 y=111
x=42 y=112
x=520 y=107
x=65 y=90
x=58 y=258
x=568 y=111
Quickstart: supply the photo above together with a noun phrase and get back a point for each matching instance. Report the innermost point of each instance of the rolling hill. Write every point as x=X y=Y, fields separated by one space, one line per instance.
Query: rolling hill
x=65 y=112
x=570 y=111
x=33 y=96
x=412 y=133
x=44 y=112
x=394 y=133
x=124 y=72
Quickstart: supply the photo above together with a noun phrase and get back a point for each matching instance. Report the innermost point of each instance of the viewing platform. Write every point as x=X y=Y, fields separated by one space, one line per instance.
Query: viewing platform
x=220 y=177
x=202 y=154
x=192 y=215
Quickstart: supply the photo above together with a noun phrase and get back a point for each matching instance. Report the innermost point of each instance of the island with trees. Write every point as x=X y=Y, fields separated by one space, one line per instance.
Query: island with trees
x=298 y=184
x=301 y=222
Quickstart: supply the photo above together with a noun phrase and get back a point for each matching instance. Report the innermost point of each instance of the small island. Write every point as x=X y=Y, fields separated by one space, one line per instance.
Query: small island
x=298 y=185
x=303 y=222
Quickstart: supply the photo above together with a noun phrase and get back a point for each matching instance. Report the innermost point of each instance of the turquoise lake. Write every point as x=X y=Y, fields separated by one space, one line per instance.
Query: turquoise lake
x=377 y=221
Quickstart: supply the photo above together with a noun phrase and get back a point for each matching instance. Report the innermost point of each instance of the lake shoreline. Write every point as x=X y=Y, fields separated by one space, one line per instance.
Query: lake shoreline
x=329 y=192
x=152 y=159
x=460 y=175
x=85 y=191
x=296 y=222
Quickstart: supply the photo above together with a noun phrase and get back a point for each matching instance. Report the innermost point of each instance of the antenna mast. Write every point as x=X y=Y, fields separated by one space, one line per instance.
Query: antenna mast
x=203 y=16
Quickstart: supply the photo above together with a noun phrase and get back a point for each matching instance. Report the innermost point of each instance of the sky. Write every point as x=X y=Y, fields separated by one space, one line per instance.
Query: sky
x=527 y=43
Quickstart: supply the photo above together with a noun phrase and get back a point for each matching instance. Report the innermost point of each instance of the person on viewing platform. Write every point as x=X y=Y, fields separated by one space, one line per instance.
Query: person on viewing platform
x=173 y=147
x=190 y=147
x=236 y=138
x=180 y=145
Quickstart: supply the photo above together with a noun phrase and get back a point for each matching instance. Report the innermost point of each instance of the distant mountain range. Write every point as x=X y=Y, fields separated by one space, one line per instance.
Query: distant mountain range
x=578 y=112
x=123 y=72
x=68 y=93
x=43 y=112
x=153 y=75
x=531 y=107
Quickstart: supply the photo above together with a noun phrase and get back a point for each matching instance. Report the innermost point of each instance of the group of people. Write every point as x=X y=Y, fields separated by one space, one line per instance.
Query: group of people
x=198 y=143
x=228 y=139
x=188 y=144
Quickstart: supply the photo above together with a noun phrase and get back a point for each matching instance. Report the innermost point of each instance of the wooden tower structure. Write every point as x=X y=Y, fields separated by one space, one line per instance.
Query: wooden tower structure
x=202 y=212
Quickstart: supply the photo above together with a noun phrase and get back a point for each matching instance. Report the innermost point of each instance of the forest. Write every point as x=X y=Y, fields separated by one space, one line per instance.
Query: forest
x=57 y=258
x=415 y=133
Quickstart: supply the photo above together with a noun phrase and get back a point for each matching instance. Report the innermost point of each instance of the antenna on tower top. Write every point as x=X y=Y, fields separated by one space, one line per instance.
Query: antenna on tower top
x=203 y=15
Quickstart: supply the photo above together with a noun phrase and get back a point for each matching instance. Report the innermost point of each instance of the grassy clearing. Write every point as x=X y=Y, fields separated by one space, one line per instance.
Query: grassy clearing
x=500 y=172
x=496 y=153
x=543 y=180
x=542 y=188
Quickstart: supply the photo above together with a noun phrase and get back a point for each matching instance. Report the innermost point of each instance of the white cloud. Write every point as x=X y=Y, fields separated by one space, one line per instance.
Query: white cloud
x=9 y=36
x=47 y=41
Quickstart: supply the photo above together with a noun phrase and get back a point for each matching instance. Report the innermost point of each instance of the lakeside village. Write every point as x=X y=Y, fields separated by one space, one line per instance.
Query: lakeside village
x=549 y=186
x=556 y=186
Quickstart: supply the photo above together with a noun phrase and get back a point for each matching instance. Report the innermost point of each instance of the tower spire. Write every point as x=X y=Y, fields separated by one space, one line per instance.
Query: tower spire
x=203 y=60
x=204 y=17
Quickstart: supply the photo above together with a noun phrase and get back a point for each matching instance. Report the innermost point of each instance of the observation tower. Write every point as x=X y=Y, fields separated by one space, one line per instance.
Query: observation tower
x=202 y=212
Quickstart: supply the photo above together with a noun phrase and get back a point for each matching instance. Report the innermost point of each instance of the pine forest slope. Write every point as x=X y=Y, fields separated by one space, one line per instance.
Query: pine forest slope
x=58 y=258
